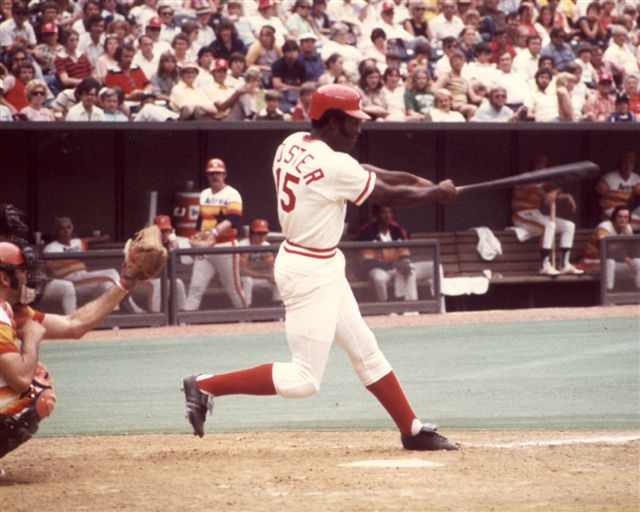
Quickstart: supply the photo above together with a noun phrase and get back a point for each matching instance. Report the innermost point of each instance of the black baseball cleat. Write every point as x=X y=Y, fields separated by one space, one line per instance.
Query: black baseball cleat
x=427 y=440
x=198 y=403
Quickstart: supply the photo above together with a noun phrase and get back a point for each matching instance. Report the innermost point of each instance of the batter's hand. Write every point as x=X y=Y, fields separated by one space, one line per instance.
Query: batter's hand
x=448 y=192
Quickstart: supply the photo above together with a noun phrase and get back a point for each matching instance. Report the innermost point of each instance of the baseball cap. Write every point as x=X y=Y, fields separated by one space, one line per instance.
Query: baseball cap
x=259 y=226
x=220 y=64
x=263 y=4
x=216 y=165
x=307 y=36
x=163 y=222
x=49 y=28
x=154 y=22
x=605 y=77
x=189 y=65
x=205 y=9
x=387 y=6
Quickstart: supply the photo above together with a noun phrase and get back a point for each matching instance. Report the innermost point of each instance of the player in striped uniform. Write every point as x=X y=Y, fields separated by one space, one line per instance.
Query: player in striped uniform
x=525 y=207
x=621 y=187
x=218 y=220
x=315 y=179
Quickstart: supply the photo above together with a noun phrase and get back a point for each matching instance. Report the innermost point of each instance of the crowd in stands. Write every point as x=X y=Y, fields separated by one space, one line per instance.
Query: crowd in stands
x=230 y=60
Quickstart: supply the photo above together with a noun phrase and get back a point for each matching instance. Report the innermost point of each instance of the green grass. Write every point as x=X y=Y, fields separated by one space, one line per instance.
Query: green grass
x=573 y=374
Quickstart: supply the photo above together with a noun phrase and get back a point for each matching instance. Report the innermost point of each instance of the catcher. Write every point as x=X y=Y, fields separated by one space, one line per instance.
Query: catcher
x=26 y=395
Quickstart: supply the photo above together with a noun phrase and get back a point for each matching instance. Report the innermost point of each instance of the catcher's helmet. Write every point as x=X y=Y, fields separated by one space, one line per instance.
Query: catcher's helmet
x=259 y=226
x=336 y=96
x=10 y=256
x=216 y=165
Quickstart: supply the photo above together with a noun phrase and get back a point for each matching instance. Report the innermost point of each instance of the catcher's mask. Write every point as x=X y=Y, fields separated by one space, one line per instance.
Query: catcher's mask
x=12 y=259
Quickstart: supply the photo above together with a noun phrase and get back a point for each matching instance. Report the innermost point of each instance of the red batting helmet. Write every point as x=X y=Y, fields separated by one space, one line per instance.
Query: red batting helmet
x=216 y=165
x=259 y=226
x=336 y=96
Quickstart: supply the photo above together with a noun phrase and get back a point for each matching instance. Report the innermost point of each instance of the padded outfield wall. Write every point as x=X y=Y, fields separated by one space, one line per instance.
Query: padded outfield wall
x=100 y=174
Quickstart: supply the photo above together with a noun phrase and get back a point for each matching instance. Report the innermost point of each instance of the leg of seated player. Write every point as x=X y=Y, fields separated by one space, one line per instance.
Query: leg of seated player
x=379 y=279
x=247 y=288
x=201 y=275
x=62 y=292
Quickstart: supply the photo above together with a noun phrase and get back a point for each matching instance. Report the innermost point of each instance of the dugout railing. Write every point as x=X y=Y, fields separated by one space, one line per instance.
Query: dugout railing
x=623 y=254
x=430 y=297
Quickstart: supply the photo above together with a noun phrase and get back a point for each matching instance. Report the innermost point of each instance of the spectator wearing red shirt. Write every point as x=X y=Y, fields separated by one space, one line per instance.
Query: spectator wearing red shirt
x=630 y=87
x=71 y=66
x=15 y=85
x=131 y=79
x=500 y=43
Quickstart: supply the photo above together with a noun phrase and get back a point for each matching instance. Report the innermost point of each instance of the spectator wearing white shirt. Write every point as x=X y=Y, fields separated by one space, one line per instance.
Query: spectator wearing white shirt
x=391 y=25
x=205 y=32
x=526 y=62
x=493 y=108
x=481 y=69
x=514 y=83
x=589 y=75
x=446 y=24
x=153 y=29
x=266 y=16
x=91 y=43
x=442 y=113
x=146 y=58
x=168 y=27
x=144 y=12
x=16 y=27
x=393 y=92
x=86 y=109
x=90 y=8
x=351 y=56
x=619 y=53
x=542 y=105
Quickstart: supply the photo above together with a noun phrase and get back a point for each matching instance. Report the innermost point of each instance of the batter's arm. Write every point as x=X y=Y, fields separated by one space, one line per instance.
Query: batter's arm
x=397 y=177
x=402 y=195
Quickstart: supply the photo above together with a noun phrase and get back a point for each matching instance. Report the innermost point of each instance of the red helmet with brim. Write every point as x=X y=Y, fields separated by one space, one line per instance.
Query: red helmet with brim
x=338 y=97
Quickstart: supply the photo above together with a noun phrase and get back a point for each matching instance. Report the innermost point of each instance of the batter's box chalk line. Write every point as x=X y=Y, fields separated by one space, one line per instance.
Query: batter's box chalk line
x=559 y=442
x=392 y=463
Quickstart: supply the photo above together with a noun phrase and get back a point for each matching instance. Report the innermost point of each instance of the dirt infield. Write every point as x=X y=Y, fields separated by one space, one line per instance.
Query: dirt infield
x=308 y=471
x=329 y=471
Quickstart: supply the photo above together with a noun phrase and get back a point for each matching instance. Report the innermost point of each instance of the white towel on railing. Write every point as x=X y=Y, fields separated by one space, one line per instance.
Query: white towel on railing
x=488 y=245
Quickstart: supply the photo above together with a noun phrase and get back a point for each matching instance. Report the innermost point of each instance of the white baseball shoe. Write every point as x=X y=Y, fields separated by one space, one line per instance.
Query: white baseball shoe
x=549 y=270
x=569 y=269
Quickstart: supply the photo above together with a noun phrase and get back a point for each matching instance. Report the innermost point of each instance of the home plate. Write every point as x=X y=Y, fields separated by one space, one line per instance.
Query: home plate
x=392 y=463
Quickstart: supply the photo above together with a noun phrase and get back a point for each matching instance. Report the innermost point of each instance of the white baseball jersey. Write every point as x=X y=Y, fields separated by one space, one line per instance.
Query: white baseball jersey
x=313 y=184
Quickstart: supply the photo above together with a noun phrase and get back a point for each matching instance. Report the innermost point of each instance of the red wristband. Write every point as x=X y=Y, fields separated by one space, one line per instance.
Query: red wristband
x=126 y=284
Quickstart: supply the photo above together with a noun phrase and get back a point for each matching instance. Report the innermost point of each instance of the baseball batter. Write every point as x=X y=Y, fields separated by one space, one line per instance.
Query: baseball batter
x=315 y=178
x=218 y=220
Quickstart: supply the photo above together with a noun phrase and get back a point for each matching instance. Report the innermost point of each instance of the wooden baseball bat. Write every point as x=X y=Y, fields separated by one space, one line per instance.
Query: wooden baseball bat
x=573 y=171
x=552 y=216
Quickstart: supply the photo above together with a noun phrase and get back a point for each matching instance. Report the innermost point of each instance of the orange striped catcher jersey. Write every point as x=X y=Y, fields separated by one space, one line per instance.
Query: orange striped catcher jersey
x=10 y=401
x=615 y=191
x=313 y=185
x=217 y=207
x=62 y=268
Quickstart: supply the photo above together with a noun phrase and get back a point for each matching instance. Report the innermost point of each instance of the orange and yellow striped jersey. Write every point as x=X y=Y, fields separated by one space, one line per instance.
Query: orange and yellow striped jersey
x=217 y=207
x=529 y=196
x=615 y=191
x=62 y=268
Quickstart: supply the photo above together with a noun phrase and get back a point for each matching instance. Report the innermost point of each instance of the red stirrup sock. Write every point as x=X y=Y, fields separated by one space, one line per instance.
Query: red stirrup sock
x=389 y=393
x=252 y=381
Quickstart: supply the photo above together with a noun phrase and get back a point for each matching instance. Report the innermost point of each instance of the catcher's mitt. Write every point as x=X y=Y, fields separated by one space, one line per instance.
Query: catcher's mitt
x=144 y=255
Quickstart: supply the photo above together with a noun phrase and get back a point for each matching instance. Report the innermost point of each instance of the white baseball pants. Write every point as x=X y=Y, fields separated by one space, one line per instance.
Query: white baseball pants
x=538 y=224
x=226 y=266
x=92 y=284
x=250 y=283
x=404 y=286
x=320 y=307
x=61 y=291
x=614 y=268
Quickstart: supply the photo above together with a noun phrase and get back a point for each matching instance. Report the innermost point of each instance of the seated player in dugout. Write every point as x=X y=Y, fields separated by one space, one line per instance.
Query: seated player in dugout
x=526 y=203
x=256 y=268
x=622 y=259
x=383 y=265
x=25 y=385
x=217 y=225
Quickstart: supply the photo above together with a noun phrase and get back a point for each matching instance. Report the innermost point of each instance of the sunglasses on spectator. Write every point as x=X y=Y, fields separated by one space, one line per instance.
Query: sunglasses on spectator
x=499 y=95
x=38 y=93
x=166 y=13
